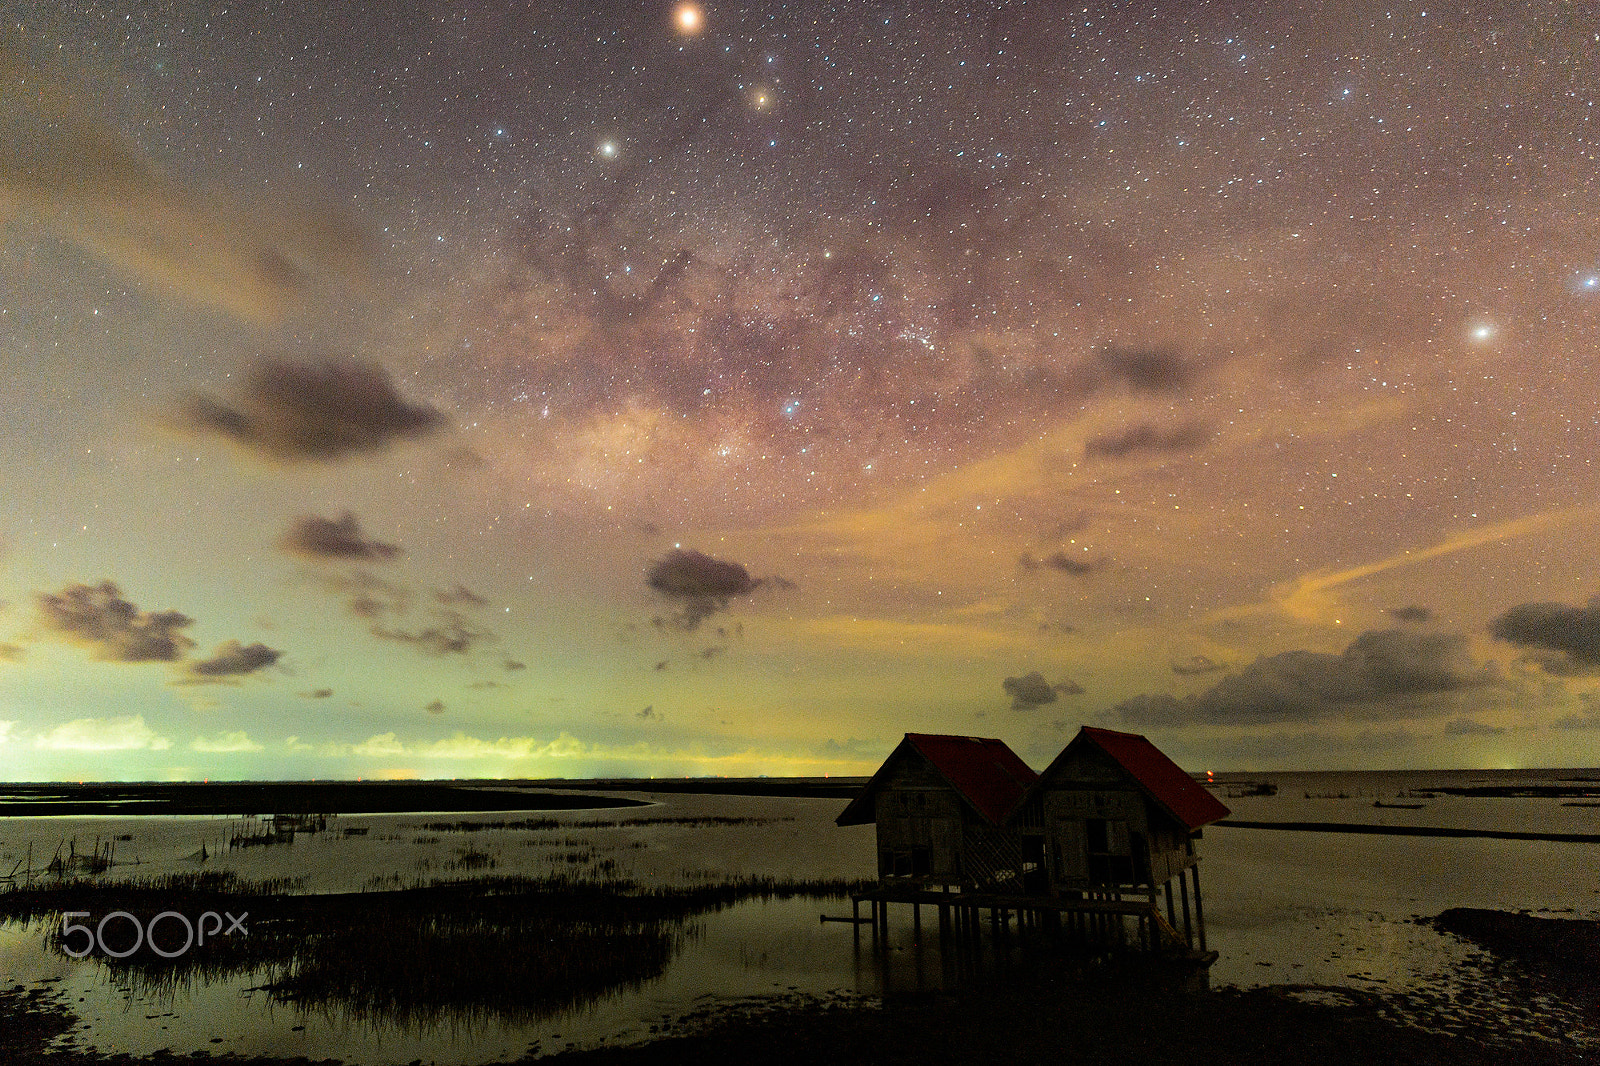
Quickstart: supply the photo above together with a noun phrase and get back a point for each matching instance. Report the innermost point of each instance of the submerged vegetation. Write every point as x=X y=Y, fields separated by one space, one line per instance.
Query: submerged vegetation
x=505 y=947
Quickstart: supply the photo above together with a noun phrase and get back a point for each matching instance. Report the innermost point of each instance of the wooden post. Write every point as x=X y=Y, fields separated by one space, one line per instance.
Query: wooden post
x=1172 y=914
x=1183 y=890
x=916 y=917
x=1199 y=912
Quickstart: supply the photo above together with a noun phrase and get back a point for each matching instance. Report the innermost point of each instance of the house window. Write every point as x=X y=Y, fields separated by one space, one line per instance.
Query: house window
x=1106 y=844
x=1095 y=829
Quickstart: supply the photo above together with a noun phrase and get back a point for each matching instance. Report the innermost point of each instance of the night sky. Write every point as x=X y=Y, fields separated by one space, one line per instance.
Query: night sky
x=496 y=389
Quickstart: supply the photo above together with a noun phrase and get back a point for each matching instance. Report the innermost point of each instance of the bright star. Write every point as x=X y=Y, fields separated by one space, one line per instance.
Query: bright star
x=1482 y=333
x=689 y=18
x=608 y=148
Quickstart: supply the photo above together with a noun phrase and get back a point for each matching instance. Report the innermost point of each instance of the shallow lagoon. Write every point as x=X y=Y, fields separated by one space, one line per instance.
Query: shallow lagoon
x=1281 y=907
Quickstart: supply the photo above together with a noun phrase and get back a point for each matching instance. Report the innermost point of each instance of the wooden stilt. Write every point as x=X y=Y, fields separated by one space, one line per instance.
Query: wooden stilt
x=1199 y=912
x=1183 y=890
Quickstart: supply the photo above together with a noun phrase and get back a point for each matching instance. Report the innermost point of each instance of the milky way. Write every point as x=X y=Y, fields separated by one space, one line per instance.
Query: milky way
x=1223 y=372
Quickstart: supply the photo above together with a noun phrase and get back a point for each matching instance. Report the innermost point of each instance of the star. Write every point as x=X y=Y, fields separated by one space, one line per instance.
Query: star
x=690 y=18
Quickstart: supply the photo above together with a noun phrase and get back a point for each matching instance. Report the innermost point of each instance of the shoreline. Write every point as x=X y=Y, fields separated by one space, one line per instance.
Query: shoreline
x=289 y=797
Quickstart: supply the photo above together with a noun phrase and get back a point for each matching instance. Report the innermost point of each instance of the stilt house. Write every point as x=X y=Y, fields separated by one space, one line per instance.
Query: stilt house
x=1113 y=817
x=941 y=805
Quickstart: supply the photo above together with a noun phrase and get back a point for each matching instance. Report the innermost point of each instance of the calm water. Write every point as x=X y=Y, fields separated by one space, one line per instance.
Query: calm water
x=1281 y=907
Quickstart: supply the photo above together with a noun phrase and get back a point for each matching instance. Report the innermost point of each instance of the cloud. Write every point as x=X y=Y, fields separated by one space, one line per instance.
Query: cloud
x=98 y=617
x=1032 y=690
x=1383 y=673
x=1197 y=664
x=315 y=537
x=702 y=585
x=1413 y=613
x=231 y=659
x=1554 y=627
x=1587 y=718
x=366 y=594
x=1309 y=597
x=12 y=653
x=381 y=745
x=1466 y=727
x=512 y=664
x=1144 y=370
x=452 y=636
x=648 y=714
x=436 y=707
x=6 y=725
x=1146 y=437
x=226 y=743
x=318 y=694
x=313 y=412
x=70 y=171
x=1067 y=564
x=103 y=734
x=459 y=596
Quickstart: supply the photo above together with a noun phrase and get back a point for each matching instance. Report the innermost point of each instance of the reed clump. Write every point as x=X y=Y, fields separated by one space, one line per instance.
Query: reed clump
x=492 y=946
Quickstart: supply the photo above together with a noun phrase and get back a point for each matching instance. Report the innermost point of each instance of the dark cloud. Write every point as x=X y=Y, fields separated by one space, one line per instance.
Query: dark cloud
x=1466 y=727
x=701 y=585
x=1197 y=664
x=1146 y=437
x=314 y=411
x=98 y=616
x=11 y=653
x=325 y=538
x=454 y=635
x=512 y=664
x=1067 y=564
x=648 y=714
x=318 y=694
x=1145 y=370
x=231 y=659
x=1413 y=613
x=1381 y=674
x=1032 y=690
x=484 y=684
x=436 y=707
x=1554 y=627
x=459 y=596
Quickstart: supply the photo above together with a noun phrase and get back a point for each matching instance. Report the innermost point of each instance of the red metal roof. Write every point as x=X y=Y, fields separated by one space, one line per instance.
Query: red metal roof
x=982 y=769
x=1166 y=782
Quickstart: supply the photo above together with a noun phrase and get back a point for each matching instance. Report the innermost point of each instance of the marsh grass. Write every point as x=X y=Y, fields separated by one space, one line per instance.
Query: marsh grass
x=502 y=947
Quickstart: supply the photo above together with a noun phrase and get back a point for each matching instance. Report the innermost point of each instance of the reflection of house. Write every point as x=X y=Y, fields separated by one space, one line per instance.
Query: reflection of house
x=940 y=804
x=1112 y=816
